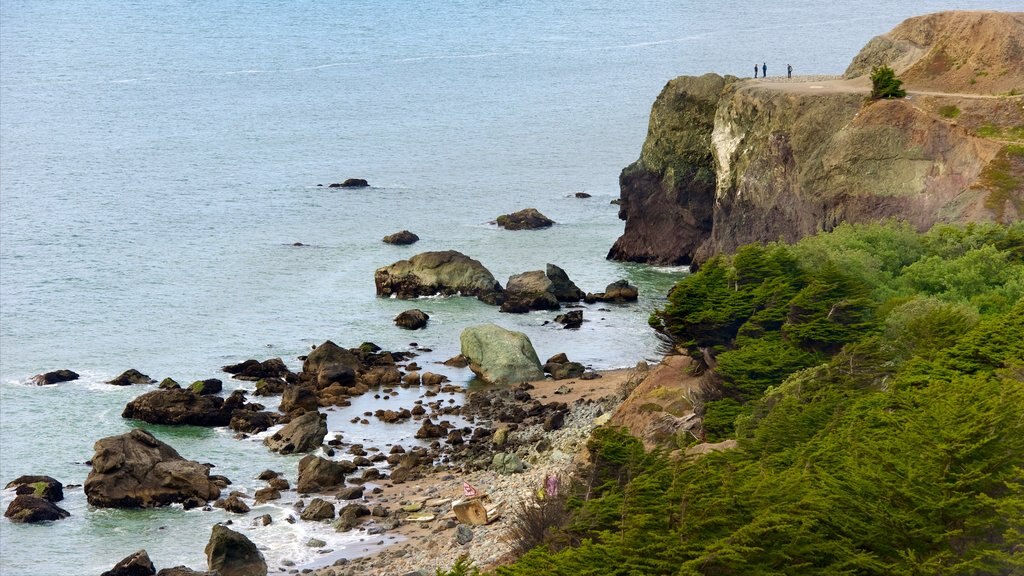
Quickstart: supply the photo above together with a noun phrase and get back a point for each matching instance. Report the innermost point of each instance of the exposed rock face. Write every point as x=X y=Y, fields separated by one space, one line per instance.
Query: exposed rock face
x=618 y=291
x=317 y=474
x=528 y=219
x=255 y=370
x=500 y=356
x=135 y=470
x=430 y=273
x=529 y=291
x=54 y=377
x=137 y=564
x=178 y=406
x=351 y=183
x=328 y=358
x=42 y=486
x=302 y=434
x=29 y=509
x=668 y=195
x=318 y=509
x=412 y=319
x=232 y=554
x=402 y=238
x=728 y=162
x=298 y=397
x=131 y=376
x=564 y=288
x=208 y=386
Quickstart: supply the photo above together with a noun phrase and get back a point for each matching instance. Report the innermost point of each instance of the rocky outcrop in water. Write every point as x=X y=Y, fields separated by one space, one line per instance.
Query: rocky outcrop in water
x=303 y=434
x=42 y=486
x=500 y=356
x=135 y=470
x=137 y=564
x=412 y=319
x=729 y=162
x=447 y=273
x=529 y=291
x=178 y=406
x=54 y=377
x=255 y=370
x=403 y=238
x=29 y=509
x=527 y=219
x=131 y=376
x=230 y=553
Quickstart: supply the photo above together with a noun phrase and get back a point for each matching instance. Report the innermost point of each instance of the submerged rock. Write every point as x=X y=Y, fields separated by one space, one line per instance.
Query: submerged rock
x=618 y=291
x=178 y=406
x=54 y=377
x=351 y=183
x=135 y=470
x=131 y=376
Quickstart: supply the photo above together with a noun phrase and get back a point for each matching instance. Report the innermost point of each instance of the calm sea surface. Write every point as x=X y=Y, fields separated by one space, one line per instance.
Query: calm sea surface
x=158 y=159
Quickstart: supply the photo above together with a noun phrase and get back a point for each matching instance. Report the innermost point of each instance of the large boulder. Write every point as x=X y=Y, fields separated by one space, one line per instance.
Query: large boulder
x=565 y=289
x=317 y=474
x=318 y=509
x=328 y=361
x=412 y=319
x=54 y=377
x=529 y=291
x=135 y=470
x=302 y=434
x=500 y=356
x=447 y=273
x=230 y=553
x=43 y=486
x=618 y=291
x=28 y=509
x=137 y=564
x=402 y=238
x=131 y=376
x=255 y=370
x=207 y=387
x=299 y=397
x=527 y=219
x=178 y=406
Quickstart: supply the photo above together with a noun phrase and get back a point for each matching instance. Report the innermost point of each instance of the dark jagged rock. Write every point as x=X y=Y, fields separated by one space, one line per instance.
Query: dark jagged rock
x=430 y=430
x=299 y=397
x=232 y=503
x=565 y=289
x=402 y=238
x=328 y=362
x=230 y=553
x=135 y=470
x=131 y=376
x=178 y=406
x=255 y=370
x=447 y=273
x=137 y=564
x=270 y=387
x=572 y=319
x=351 y=183
x=208 y=386
x=252 y=422
x=527 y=219
x=581 y=195
x=303 y=434
x=317 y=474
x=529 y=291
x=54 y=377
x=29 y=509
x=318 y=509
x=618 y=291
x=43 y=486
x=412 y=319
x=168 y=384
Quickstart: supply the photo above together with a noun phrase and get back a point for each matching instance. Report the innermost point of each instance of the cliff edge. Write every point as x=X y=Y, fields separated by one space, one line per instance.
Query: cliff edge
x=729 y=161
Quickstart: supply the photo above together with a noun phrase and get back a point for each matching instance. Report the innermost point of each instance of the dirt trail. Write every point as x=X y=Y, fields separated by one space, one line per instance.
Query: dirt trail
x=837 y=85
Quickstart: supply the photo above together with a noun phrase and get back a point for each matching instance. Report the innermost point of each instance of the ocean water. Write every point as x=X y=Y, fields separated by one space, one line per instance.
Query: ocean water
x=159 y=159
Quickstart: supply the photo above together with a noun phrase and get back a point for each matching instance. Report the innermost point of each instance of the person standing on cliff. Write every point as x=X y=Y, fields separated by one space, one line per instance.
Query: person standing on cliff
x=764 y=70
x=789 y=70
x=755 y=70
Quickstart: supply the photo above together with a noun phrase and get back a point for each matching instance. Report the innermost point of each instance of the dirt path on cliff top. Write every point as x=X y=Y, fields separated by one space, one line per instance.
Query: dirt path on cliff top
x=838 y=85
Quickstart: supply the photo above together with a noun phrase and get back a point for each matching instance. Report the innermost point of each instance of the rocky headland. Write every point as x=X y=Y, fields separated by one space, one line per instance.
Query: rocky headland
x=729 y=161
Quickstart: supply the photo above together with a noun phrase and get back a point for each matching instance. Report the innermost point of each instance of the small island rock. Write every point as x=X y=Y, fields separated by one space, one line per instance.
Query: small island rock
x=528 y=219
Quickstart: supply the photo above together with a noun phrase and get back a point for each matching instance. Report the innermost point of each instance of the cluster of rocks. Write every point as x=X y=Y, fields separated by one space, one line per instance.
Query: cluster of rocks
x=452 y=273
x=35 y=500
x=228 y=553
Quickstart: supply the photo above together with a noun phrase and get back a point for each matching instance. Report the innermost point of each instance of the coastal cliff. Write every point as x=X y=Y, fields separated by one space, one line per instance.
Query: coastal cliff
x=728 y=161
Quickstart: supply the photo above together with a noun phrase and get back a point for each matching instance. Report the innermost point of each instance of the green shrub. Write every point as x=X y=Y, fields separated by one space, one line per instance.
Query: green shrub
x=950 y=111
x=885 y=84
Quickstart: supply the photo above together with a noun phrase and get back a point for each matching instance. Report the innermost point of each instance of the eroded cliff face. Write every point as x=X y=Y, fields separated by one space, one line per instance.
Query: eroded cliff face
x=765 y=161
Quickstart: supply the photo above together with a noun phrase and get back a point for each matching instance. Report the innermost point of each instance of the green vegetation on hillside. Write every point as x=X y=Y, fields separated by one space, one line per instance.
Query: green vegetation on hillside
x=874 y=378
x=885 y=84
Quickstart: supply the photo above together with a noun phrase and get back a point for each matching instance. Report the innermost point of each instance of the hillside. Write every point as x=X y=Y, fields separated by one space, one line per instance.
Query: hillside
x=729 y=161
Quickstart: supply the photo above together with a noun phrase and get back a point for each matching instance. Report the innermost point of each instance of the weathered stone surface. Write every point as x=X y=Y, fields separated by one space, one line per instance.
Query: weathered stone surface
x=135 y=470
x=317 y=474
x=318 y=509
x=402 y=238
x=618 y=291
x=29 y=509
x=507 y=463
x=232 y=503
x=500 y=356
x=54 y=377
x=302 y=434
x=565 y=289
x=230 y=553
x=351 y=183
x=526 y=219
x=266 y=495
x=42 y=486
x=350 y=493
x=571 y=320
x=298 y=397
x=251 y=421
x=131 y=376
x=178 y=406
x=255 y=370
x=137 y=564
x=330 y=361
x=208 y=386
x=412 y=319
x=529 y=291
x=446 y=273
